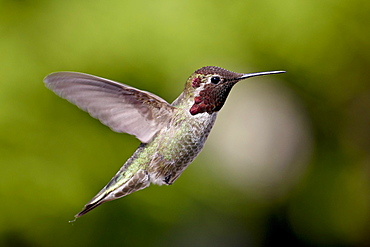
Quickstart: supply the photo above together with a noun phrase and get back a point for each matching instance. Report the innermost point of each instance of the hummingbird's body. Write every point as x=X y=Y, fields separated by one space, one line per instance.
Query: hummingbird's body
x=161 y=161
x=172 y=135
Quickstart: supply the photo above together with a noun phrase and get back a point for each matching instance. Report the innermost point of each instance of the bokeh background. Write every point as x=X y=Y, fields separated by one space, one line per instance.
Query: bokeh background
x=288 y=161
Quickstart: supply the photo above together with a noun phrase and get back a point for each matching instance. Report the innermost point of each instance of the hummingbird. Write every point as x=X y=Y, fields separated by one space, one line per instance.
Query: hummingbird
x=171 y=135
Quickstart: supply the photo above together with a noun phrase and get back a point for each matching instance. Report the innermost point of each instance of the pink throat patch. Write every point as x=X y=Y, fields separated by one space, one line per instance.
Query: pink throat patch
x=201 y=104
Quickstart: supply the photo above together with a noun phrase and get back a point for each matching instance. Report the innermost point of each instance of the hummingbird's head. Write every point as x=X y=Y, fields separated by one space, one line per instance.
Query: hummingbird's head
x=211 y=85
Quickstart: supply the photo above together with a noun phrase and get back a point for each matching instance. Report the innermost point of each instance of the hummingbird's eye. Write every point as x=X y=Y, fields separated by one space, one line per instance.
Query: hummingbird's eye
x=215 y=79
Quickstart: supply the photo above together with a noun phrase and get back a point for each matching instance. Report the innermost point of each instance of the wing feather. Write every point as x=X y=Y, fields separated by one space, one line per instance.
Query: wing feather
x=122 y=108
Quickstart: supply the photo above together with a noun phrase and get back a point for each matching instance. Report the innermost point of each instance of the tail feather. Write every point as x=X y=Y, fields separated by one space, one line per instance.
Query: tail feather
x=88 y=208
x=114 y=190
x=91 y=205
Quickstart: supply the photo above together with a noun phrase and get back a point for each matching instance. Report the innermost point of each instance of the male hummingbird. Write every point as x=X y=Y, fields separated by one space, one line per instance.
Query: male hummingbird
x=171 y=135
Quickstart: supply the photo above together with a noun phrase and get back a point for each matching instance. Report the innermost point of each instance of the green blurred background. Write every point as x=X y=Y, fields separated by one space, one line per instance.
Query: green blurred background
x=288 y=161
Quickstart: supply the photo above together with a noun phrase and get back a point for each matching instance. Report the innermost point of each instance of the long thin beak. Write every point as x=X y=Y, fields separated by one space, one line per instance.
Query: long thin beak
x=245 y=76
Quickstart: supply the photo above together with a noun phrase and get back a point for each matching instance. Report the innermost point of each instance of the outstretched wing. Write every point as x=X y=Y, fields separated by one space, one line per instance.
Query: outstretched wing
x=120 y=107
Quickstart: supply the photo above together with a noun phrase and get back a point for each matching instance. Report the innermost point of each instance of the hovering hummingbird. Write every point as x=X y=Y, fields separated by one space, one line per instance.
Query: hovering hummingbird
x=171 y=135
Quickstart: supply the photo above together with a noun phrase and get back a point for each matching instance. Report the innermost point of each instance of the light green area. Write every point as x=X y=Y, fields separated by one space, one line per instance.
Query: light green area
x=54 y=158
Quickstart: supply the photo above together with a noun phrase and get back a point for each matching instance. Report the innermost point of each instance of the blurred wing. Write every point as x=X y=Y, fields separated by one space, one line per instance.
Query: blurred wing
x=120 y=107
